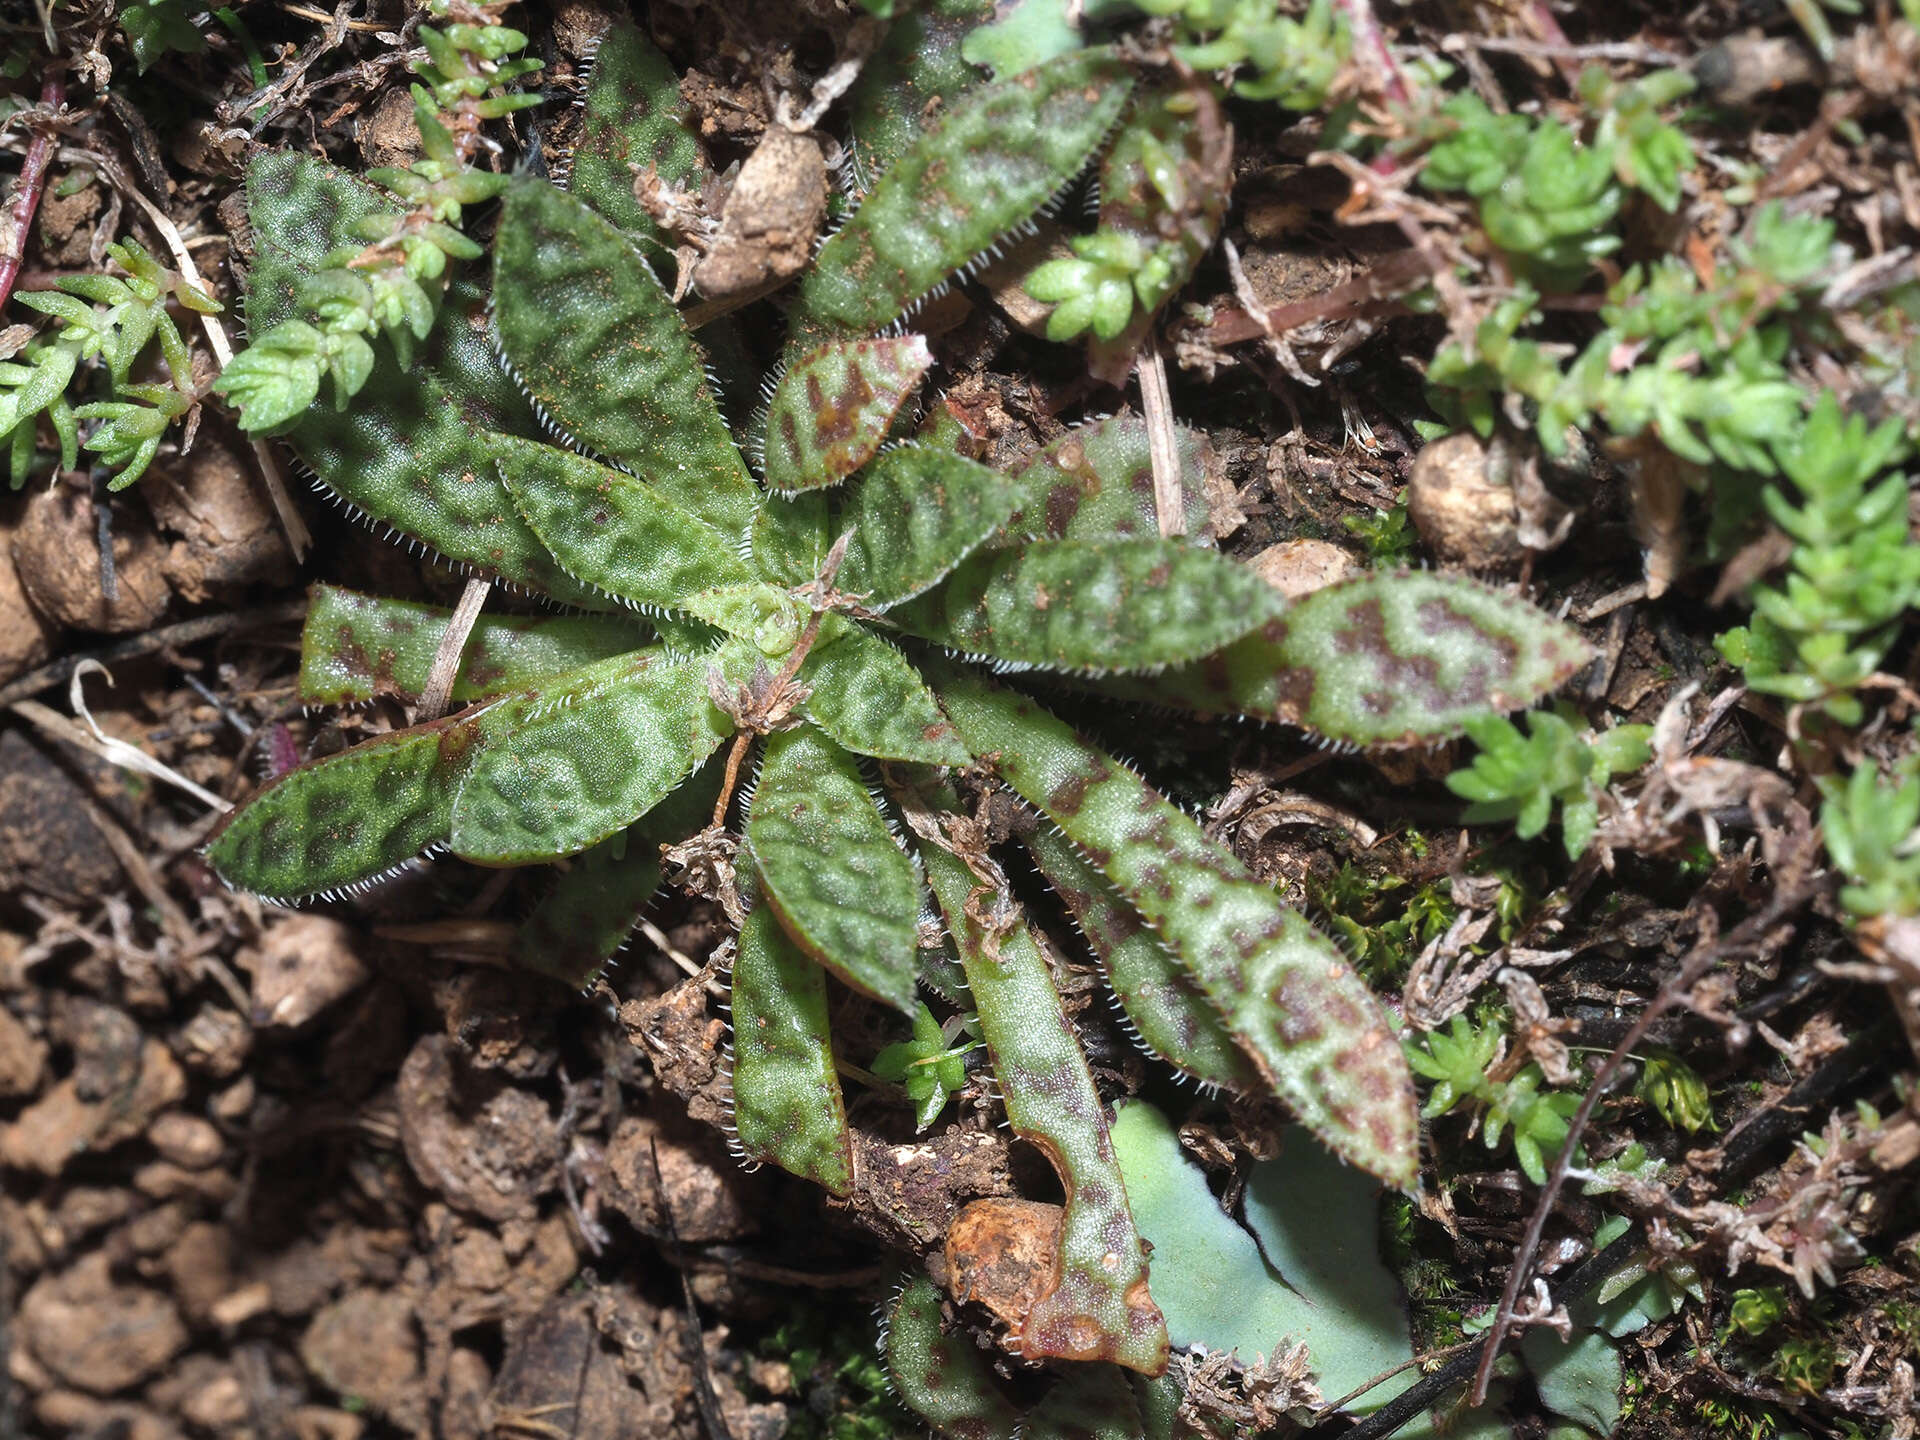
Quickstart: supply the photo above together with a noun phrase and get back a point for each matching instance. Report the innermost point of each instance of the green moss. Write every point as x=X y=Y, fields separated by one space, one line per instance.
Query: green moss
x=839 y=1384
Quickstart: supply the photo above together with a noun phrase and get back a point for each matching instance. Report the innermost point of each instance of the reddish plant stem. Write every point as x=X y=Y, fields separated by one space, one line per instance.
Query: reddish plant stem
x=1370 y=42
x=1368 y=39
x=1547 y=27
x=26 y=194
x=1544 y=21
x=772 y=701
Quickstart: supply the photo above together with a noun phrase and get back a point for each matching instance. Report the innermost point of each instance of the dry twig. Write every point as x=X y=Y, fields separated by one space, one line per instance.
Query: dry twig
x=446 y=656
x=167 y=637
x=1710 y=949
x=1156 y=403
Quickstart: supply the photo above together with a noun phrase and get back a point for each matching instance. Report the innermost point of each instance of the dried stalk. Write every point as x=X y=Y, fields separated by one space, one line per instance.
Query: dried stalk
x=1749 y=934
x=446 y=656
x=185 y=632
x=1169 y=495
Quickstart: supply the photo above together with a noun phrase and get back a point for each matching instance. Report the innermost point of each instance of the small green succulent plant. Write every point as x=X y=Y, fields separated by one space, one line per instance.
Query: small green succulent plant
x=928 y=1066
x=388 y=274
x=787 y=680
x=1521 y=777
x=1819 y=636
x=109 y=321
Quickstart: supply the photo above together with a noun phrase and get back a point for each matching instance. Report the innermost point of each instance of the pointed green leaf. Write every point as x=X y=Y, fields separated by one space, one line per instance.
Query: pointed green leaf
x=581 y=923
x=765 y=616
x=1099 y=1307
x=1168 y=1013
x=917 y=73
x=614 y=532
x=685 y=635
x=349 y=818
x=870 y=700
x=410 y=455
x=591 y=909
x=941 y=973
x=407 y=458
x=1096 y=483
x=631 y=119
x=1159 y=1398
x=942 y=1378
x=1001 y=153
x=1402 y=659
x=1284 y=991
x=598 y=346
x=940 y=429
x=1152 y=178
x=1089 y=1402
x=1068 y=605
x=834 y=405
x=831 y=869
x=589 y=754
x=790 y=539
x=1164 y=185
x=355 y=647
x=787 y=1107
x=299 y=210
x=915 y=514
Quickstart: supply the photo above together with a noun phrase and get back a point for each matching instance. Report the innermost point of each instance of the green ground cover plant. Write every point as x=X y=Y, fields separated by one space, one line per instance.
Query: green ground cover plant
x=848 y=669
x=780 y=679
x=105 y=322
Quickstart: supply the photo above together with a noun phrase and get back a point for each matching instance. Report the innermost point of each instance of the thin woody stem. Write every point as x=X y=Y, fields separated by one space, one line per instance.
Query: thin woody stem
x=446 y=656
x=734 y=757
x=1672 y=995
x=1423 y=1360
x=1169 y=495
x=821 y=599
x=1394 y=275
